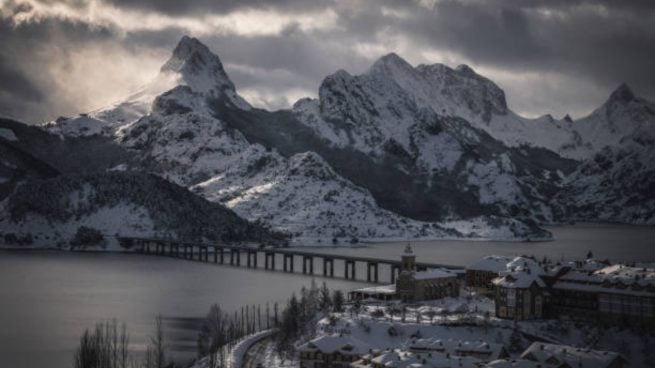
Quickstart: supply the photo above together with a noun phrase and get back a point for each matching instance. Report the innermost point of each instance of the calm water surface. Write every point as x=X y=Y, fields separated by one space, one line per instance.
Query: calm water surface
x=617 y=243
x=47 y=299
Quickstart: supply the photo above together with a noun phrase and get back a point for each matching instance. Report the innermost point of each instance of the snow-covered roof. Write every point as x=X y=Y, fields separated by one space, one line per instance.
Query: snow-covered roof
x=346 y=345
x=434 y=274
x=513 y=363
x=491 y=263
x=458 y=347
x=618 y=279
x=384 y=289
x=518 y=280
x=527 y=264
x=557 y=355
x=521 y=273
x=406 y=359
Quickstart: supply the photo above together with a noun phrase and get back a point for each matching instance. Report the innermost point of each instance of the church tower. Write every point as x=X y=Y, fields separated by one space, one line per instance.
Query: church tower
x=406 y=281
x=408 y=259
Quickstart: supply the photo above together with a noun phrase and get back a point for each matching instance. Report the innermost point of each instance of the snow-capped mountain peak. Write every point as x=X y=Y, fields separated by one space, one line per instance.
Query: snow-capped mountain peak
x=192 y=65
x=198 y=67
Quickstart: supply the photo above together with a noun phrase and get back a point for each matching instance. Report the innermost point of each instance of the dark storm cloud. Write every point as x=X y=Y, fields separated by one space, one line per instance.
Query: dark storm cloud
x=570 y=53
x=178 y=7
x=15 y=81
x=611 y=41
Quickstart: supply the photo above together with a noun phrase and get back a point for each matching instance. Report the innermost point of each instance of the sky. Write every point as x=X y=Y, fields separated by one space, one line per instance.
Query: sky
x=60 y=58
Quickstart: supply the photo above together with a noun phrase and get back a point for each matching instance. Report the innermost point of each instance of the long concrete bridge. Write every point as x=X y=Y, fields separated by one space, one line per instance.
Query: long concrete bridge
x=250 y=257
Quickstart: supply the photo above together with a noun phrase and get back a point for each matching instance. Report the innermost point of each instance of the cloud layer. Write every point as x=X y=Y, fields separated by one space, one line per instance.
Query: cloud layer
x=559 y=56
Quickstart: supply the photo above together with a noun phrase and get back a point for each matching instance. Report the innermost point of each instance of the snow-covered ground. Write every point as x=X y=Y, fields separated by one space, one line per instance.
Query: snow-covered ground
x=472 y=319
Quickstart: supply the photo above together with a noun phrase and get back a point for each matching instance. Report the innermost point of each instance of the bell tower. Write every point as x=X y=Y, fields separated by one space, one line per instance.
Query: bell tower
x=406 y=281
x=408 y=259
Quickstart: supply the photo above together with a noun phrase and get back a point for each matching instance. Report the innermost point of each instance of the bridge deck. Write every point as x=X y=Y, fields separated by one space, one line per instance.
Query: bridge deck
x=294 y=252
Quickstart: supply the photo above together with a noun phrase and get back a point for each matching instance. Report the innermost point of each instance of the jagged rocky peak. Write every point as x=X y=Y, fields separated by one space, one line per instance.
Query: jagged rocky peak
x=465 y=69
x=391 y=63
x=622 y=94
x=198 y=67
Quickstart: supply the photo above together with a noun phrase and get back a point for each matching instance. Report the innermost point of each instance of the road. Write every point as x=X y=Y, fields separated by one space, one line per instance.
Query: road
x=256 y=354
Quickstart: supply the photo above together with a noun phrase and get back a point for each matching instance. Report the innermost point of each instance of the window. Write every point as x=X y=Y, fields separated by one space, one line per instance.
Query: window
x=511 y=297
x=604 y=303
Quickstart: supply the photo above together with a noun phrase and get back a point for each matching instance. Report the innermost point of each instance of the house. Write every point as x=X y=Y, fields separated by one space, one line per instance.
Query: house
x=571 y=357
x=332 y=351
x=480 y=274
x=477 y=349
x=520 y=291
x=412 y=285
x=407 y=359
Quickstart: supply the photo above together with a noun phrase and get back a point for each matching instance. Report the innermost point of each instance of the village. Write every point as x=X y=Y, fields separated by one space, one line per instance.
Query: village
x=500 y=312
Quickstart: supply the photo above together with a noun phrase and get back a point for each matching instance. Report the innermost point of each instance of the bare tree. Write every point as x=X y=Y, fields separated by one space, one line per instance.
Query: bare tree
x=158 y=344
x=214 y=335
x=104 y=347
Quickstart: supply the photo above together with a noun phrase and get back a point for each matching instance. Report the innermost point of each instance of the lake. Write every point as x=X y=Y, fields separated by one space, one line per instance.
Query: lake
x=47 y=299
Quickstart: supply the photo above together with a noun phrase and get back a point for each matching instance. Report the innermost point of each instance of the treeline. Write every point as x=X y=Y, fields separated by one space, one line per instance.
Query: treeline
x=173 y=209
x=299 y=316
x=220 y=331
x=107 y=346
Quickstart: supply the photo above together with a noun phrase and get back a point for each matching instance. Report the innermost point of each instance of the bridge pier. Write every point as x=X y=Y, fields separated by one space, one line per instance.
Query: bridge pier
x=272 y=264
x=253 y=254
x=349 y=265
x=289 y=257
x=235 y=257
x=206 y=251
x=372 y=277
x=221 y=255
x=310 y=260
x=328 y=271
x=395 y=270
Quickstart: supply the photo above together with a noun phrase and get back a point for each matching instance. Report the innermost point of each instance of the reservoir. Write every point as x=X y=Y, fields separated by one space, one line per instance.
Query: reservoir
x=48 y=298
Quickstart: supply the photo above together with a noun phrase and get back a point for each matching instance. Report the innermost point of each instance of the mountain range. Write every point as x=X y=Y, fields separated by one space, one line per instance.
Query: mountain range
x=398 y=152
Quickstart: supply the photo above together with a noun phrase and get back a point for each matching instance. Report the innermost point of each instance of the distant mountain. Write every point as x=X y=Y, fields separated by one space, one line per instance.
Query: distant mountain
x=397 y=152
x=52 y=185
x=51 y=210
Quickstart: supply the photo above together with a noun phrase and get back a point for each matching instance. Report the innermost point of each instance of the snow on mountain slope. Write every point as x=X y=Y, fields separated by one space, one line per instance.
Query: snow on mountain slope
x=304 y=196
x=623 y=117
x=50 y=211
x=438 y=119
x=616 y=185
x=366 y=110
x=192 y=64
x=427 y=142
x=299 y=192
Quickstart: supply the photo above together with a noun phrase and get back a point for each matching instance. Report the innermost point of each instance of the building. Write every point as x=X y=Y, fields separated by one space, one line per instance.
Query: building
x=412 y=285
x=479 y=275
x=520 y=291
x=406 y=359
x=612 y=294
x=552 y=355
x=589 y=290
x=332 y=351
x=481 y=350
x=538 y=355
